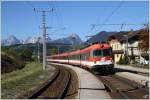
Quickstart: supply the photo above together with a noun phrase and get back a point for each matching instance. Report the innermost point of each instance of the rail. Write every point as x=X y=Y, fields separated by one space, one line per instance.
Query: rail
x=122 y=88
x=56 y=88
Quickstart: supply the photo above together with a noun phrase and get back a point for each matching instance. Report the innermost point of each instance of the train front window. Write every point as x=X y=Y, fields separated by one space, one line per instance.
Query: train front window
x=107 y=52
x=97 y=53
x=102 y=52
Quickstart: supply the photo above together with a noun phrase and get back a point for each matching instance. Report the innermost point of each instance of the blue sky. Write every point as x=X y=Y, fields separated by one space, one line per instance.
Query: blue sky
x=19 y=19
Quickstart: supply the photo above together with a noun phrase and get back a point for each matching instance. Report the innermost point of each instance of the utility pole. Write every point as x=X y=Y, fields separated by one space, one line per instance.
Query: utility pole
x=38 y=50
x=58 y=50
x=44 y=27
x=126 y=47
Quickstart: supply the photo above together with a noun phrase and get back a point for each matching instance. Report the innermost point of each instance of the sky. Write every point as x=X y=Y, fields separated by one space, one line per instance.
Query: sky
x=19 y=18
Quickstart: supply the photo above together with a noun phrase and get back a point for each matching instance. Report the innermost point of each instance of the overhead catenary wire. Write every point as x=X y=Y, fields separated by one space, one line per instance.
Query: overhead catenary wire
x=59 y=16
x=121 y=24
x=113 y=12
x=108 y=17
x=59 y=20
x=33 y=7
x=118 y=24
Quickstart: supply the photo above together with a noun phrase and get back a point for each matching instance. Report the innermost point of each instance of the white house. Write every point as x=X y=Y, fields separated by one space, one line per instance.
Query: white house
x=126 y=43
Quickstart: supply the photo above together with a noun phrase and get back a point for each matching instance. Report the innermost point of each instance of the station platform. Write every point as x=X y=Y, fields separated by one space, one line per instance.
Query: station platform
x=132 y=68
x=89 y=86
x=135 y=77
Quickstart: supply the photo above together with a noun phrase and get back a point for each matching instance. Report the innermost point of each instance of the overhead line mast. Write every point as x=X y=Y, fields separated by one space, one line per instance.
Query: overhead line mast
x=44 y=27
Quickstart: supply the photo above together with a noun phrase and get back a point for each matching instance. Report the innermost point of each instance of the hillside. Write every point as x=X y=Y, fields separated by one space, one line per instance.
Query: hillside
x=100 y=37
x=10 y=62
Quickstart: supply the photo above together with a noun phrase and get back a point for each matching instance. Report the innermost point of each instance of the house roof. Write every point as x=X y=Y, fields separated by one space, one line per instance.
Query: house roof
x=132 y=36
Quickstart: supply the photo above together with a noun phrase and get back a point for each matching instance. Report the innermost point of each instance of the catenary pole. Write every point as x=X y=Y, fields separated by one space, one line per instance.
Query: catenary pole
x=44 y=27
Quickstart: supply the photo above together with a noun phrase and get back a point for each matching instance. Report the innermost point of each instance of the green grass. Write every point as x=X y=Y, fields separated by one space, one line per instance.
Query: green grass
x=23 y=81
x=18 y=74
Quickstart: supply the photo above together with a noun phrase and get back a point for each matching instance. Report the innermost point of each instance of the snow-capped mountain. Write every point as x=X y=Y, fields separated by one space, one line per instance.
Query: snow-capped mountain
x=31 y=40
x=11 y=40
x=35 y=40
x=71 y=39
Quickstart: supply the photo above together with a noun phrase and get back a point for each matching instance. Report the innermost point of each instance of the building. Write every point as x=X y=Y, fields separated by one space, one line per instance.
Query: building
x=116 y=42
x=126 y=43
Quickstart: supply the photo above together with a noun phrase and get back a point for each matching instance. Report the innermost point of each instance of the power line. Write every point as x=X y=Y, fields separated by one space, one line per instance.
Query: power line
x=28 y=3
x=32 y=6
x=107 y=18
x=58 y=16
x=113 y=12
x=117 y=24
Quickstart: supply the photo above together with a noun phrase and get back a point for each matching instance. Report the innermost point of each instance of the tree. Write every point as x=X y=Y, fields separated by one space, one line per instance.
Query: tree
x=144 y=39
x=54 y=51
x=120 y=60
x=123 y=60
x=26 y=54
x=111 y=38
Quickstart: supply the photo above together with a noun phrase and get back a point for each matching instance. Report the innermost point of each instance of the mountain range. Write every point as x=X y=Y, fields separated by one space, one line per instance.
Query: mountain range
x=11 y=40
x=72 y=39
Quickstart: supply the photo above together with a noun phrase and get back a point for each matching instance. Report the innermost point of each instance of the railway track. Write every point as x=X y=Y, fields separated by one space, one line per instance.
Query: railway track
x=131 y=71
x=143 y=74
x=122 y=88
x=57 y=87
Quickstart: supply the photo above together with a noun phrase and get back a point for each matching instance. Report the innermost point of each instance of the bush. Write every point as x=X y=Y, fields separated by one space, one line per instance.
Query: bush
x=126 y=60
x=123 y=60
x=26 y=54
x=10 y=63
x=13 y=58
x=120 y=60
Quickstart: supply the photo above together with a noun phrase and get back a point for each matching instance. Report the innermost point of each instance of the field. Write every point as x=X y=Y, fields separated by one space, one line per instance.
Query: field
x=23 y=81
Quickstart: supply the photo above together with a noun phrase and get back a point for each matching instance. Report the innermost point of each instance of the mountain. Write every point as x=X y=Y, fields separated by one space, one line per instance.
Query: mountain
x=73 y=39
x=11 y=40
x=100 y=37
x=35 y=40
x=31 y=40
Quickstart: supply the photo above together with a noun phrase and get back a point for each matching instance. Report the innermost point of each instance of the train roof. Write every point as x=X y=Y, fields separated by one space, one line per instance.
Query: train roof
x=85 y=50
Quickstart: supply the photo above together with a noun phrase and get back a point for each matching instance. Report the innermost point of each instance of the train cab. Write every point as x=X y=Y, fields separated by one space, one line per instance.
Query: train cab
x=102 y=59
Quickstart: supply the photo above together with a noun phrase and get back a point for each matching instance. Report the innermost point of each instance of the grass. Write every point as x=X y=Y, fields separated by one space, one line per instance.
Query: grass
x=23 y=81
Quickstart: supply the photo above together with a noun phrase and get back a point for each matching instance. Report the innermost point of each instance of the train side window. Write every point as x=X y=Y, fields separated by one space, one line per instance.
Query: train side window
x=85 y=56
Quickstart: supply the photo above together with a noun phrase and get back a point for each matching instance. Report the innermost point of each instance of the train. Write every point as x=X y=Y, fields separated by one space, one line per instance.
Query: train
x=97 y=58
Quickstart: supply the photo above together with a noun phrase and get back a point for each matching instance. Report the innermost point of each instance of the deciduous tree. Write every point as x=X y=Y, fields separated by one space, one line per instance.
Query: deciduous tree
x=144 y=39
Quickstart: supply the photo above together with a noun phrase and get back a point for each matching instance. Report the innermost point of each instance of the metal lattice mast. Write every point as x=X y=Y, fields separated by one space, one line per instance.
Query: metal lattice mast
x=44 y=27
x=44 y=39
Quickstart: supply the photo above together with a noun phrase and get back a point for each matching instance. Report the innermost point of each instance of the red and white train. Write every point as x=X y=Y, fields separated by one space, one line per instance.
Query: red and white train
x=97 y=58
